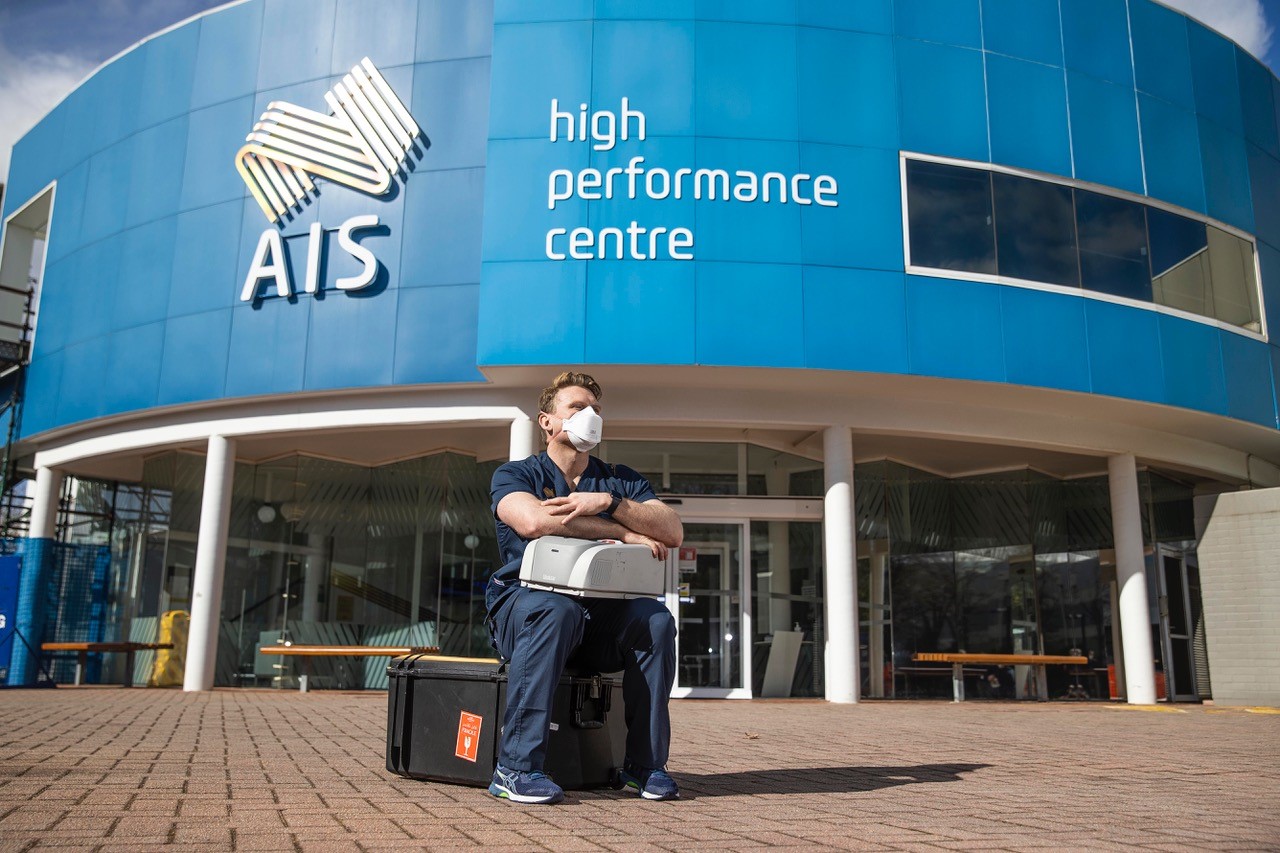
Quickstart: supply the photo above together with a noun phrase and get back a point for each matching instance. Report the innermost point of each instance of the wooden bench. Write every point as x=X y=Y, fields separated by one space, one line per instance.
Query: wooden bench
x=82 y=651
x=305 y=651
x=959 y=659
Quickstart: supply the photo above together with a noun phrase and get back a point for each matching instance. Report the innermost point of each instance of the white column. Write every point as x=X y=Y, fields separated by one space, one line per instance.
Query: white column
x=524 y=438
x=1131 y=575
x=211 y=560
x=312 y=572
x=44 y=512
x=838 y=526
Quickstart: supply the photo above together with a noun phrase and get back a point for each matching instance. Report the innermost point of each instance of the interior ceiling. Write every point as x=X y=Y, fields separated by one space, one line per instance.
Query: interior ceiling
x=376 y=447
x=960 y=458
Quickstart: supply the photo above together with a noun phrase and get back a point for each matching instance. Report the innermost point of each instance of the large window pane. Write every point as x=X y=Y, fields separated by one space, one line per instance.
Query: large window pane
x=979 y=221
x=1035 y=230
x=1113 y=245
x=923 y=591
x=717 y=468
x=786 y=565
x=1235 y=289
x=949 y=213
x=1179 y=261
x=1075 y=612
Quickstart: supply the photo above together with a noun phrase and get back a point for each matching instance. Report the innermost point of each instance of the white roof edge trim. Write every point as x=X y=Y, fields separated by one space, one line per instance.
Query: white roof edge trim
x=149 y=437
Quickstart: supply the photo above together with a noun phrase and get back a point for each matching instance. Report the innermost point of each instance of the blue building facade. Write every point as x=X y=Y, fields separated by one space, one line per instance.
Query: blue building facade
x=1062 y=213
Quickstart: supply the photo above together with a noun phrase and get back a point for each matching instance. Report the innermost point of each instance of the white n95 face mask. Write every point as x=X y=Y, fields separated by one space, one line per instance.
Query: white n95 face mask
x=584 y=429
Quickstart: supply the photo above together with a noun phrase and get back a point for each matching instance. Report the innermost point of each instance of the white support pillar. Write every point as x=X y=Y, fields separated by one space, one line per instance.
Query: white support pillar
x=211 y=560
x=1131 y=575
x=840 y=564
x=313 y=566
x=44 y=512
x=524 y=438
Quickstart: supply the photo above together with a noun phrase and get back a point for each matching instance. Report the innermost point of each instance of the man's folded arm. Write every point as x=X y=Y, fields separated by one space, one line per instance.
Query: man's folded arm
x=526 y=515
x=651 y=518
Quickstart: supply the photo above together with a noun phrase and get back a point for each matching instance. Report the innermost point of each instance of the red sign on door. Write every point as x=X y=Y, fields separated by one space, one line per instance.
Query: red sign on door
x=468 y=736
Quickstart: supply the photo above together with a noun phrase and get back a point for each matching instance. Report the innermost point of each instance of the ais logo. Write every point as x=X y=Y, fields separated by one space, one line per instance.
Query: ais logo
x=364 y=140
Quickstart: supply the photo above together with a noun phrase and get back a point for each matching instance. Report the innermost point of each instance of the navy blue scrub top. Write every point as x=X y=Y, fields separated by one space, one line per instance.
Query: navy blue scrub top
x=540 y=477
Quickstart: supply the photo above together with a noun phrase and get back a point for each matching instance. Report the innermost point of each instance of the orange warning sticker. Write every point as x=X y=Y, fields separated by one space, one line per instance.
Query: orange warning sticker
x=468 y=736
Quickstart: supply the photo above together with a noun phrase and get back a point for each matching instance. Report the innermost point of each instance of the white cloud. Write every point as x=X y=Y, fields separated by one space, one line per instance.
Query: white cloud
x=29 y=88
x=1243 y=21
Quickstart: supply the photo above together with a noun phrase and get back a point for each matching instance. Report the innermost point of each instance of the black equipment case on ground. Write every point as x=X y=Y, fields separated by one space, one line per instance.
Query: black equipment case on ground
x=444 y=716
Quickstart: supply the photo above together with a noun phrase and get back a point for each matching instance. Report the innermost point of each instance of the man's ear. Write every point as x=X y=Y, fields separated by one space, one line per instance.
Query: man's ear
x=544 y=422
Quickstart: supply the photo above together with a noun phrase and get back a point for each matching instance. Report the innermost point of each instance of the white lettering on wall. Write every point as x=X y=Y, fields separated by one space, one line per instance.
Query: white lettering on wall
x=269 y=246
x=269 y=262
x=360 y=253
x=603 y=125
x=638 y=179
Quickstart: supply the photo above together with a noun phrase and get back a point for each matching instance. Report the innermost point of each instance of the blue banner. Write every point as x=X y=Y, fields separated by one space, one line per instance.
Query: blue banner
x=10 y=569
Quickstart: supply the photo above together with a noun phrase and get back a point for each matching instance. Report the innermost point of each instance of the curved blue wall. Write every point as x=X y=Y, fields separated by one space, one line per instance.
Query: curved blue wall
x=153 y=230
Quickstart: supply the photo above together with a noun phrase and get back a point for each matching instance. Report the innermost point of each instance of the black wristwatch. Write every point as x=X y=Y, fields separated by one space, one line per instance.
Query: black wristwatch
x=617 y=501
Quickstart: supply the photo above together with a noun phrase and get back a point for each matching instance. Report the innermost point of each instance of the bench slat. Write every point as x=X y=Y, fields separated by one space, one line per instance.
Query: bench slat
x=315 y=650
x=102 y=647
x=965 y=657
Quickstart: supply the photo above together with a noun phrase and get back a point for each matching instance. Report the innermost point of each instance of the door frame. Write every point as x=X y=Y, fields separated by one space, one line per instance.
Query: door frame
x=739 y=511
x=1174 y=691
x=744 y=611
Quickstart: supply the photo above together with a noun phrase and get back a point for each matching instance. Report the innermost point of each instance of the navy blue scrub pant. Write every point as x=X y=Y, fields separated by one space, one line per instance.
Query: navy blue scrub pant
x=538 y=632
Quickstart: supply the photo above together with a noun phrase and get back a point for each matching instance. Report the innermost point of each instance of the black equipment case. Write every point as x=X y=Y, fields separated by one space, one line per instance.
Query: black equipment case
x=444 y=716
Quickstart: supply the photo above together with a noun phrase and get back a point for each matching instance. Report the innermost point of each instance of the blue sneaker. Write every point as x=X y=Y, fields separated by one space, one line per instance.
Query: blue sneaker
x=524 y=786
x=650 y=784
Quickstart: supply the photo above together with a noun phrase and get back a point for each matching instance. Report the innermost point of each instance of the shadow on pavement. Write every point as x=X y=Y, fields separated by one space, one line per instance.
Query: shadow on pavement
x=816 y=780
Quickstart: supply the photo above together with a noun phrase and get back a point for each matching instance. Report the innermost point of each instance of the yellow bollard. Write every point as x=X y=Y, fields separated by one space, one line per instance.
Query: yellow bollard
x=170 y=663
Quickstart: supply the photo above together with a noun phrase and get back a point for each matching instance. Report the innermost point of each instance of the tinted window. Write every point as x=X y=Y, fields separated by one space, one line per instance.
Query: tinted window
x=1235 y=292
x=1174 y=239
x=1179 y=262
x=949 y=213
x=980 y=221
x=1113 y=245
x=1035 y=230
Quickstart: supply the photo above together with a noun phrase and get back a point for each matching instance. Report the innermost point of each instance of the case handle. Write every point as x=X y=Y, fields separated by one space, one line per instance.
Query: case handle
x=581 y=692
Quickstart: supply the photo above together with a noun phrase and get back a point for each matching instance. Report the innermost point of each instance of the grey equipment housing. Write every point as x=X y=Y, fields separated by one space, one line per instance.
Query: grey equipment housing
x=591 y=568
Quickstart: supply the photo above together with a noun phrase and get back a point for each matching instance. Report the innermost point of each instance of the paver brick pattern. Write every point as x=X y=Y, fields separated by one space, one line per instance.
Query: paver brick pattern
x=117 y=769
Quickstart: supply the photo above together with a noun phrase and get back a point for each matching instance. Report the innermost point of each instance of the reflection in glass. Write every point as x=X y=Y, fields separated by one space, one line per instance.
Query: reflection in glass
x=985 y=593
x=1235 y=290
x=950 y=217
x=924 y=620
x=326 y=552
x=980 y=221
x=717 y=468
x=1006 y=562
x=786 y=564
x=1113 y=245
x=1035 y=230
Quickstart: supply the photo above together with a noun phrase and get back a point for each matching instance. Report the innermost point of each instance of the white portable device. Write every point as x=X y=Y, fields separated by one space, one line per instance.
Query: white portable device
x=591 y=568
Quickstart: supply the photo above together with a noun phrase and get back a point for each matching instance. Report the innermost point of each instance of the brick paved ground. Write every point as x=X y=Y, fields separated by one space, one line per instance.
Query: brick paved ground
x=117 y=769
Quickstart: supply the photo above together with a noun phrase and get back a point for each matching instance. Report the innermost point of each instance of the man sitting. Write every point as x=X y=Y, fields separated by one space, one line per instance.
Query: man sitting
x=567 y=492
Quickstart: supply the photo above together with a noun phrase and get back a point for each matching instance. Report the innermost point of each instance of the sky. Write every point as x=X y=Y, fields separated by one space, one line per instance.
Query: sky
x=47 y=47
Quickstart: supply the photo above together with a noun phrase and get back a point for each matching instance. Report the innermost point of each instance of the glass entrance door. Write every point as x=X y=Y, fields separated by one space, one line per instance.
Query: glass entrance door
x=1176 y=627
x=712 y=615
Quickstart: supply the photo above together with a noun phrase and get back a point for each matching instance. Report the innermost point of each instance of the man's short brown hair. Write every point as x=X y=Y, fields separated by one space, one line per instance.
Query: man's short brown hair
x=568 y=379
